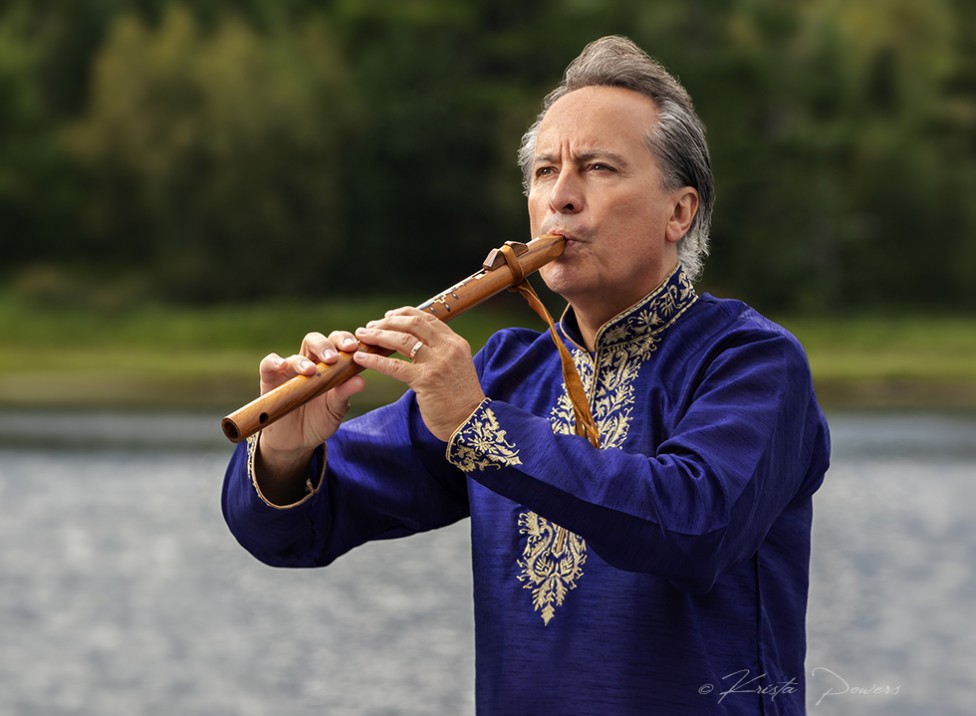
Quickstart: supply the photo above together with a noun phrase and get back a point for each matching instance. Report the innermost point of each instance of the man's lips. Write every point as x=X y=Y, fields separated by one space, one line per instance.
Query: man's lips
x=570 y=237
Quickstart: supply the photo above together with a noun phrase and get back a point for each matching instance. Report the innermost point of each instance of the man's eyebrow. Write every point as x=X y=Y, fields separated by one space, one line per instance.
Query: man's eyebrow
x=598 y=154
x=589 y=156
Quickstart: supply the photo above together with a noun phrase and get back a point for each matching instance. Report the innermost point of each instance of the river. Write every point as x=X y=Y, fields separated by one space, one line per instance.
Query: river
x=123 y=593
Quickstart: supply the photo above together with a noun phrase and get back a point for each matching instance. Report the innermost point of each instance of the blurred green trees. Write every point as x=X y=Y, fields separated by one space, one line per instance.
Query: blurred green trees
x=221 y=150
x=215 y=156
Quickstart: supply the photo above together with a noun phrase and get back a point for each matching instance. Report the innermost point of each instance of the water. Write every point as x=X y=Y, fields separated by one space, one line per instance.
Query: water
x=121 y=591
x=893 y=586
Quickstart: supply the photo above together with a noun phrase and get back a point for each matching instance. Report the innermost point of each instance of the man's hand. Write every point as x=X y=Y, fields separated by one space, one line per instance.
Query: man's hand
x=439 y=370
x=286 y=445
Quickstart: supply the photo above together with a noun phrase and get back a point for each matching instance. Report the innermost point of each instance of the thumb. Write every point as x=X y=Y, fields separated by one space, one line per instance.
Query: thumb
x=340 y=395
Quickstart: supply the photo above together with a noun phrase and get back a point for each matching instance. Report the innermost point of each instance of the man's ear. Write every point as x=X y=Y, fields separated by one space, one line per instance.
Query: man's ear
x=685 y=208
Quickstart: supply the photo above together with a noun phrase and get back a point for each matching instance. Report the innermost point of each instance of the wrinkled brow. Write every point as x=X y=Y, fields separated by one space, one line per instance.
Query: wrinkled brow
x=583 y=158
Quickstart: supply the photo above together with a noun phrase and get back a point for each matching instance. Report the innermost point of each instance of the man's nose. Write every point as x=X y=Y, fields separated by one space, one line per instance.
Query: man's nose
x=567 y=193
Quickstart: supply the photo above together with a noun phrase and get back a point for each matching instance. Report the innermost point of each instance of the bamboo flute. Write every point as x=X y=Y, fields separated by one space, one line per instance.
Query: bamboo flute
x=493 y=278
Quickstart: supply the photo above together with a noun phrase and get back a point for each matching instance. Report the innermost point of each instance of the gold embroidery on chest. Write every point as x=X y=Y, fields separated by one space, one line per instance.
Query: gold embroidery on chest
x=553 y=559
x=552 y=562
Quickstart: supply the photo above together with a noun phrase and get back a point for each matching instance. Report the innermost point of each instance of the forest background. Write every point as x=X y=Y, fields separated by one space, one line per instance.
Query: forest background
x=211 y=179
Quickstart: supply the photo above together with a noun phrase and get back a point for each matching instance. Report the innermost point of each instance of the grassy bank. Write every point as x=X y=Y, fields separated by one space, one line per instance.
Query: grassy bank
x=889 y=362
x=180 y=358
x=165 y=357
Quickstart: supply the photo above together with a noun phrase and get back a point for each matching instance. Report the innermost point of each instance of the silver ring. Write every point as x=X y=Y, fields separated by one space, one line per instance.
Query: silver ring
x=416 y=349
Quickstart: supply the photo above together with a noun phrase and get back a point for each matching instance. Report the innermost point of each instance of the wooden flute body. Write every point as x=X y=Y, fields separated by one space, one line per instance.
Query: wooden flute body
x=494 y=277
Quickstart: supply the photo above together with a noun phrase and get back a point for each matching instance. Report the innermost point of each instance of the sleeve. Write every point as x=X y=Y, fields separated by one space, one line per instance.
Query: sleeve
x=749 y=442
x=382 y=475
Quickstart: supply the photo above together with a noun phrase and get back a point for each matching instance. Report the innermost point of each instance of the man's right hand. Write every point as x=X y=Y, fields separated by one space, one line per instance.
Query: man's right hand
x=286 y=446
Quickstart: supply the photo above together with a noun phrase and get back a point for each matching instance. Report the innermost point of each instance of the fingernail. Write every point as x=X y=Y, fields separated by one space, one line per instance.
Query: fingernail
x=306 y=364
x=278 y=362
x=329 y=354
x=371 y=324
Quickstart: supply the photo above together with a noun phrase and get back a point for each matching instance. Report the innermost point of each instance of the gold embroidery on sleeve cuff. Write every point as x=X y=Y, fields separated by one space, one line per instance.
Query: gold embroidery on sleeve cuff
x=310 y=488
x=480 y=443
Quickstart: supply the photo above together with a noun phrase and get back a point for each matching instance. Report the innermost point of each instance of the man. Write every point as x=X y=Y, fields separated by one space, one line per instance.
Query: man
x=664 y=572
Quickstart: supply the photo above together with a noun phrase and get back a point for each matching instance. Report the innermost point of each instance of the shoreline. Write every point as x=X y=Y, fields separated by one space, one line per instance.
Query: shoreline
x=160 y=358
x=226 y=393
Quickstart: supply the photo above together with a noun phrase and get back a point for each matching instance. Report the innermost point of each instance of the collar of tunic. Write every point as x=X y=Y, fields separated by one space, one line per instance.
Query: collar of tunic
x=647 y=318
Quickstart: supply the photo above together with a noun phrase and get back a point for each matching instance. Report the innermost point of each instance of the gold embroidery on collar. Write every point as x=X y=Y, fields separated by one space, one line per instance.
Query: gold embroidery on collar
x=652 y=314
x=552 y=561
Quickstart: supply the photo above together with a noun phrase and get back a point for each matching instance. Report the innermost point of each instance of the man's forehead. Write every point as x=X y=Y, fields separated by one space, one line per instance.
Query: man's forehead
x=596 y=122
x=596 y=119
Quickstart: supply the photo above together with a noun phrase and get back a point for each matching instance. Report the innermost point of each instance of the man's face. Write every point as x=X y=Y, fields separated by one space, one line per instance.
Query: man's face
x=595 y=181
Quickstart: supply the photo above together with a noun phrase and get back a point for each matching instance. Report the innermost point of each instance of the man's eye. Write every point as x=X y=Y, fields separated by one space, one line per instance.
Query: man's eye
x=600 y=167
x=544 y=172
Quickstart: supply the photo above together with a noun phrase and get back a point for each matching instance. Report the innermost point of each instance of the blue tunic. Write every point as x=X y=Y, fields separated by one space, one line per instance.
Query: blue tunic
x=664 y=573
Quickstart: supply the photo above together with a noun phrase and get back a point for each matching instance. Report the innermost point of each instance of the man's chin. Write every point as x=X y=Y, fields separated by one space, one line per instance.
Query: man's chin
x=560 y=280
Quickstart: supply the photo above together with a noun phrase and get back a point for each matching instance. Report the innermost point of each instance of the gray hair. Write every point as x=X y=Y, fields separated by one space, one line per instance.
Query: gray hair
x=677 y=140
